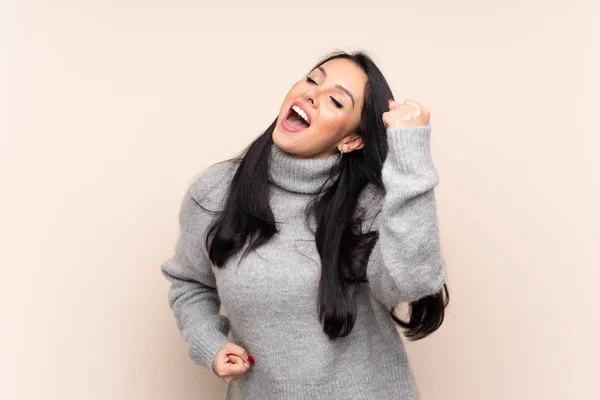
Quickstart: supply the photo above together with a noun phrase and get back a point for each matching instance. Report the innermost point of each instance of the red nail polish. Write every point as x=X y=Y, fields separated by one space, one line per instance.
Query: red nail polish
x=389 y=101
x=250 y=360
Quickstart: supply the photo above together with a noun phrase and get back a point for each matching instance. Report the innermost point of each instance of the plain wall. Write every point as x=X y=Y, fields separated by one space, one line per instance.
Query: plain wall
x=108 y=109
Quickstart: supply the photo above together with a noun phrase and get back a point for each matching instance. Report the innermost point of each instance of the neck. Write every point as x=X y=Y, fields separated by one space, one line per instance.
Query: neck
x=300 y=175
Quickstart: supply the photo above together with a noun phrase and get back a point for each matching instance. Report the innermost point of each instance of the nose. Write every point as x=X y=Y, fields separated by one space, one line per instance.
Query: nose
x=312 y=98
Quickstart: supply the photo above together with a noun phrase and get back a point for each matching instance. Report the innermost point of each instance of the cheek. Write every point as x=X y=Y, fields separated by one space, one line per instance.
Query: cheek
x=333 y=125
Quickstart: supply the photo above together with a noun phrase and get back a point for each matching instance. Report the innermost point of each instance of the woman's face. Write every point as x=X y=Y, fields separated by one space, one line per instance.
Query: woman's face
x=331 y=97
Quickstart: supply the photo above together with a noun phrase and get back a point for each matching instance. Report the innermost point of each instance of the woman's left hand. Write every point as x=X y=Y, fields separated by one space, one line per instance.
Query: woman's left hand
x=405 y=115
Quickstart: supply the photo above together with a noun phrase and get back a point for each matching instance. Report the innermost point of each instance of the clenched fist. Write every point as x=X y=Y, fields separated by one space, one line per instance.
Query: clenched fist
x=231 y=362
x=404 y=115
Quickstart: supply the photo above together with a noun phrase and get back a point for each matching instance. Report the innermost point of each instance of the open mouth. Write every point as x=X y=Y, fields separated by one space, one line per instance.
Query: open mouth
x=294 y=121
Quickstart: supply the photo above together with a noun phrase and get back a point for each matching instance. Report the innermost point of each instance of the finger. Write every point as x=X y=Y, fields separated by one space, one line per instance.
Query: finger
x=400 y=110
x=221 y=361
x=235 y=366
x=386 y=119
x=413 y=104
x=234 y=359
x=237 y=350
x=415 y=112
x=405 y=111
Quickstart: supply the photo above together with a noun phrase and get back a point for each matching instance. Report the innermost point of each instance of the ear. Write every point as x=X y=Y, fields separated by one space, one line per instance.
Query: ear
x=352 y=142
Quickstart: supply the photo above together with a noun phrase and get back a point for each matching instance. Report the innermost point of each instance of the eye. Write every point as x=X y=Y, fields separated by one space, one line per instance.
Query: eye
x=337 y=103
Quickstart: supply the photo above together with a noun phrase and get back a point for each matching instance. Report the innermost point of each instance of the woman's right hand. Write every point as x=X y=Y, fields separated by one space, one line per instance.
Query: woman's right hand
x=231 y=362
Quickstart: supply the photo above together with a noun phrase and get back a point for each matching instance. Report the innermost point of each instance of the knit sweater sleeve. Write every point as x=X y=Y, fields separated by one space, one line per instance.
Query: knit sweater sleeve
x=193 y=295
x=406 y=263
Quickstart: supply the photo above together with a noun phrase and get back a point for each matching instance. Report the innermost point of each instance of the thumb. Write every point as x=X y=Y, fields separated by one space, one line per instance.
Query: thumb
x=391 y=103
x=240 y=352
x=238 y=360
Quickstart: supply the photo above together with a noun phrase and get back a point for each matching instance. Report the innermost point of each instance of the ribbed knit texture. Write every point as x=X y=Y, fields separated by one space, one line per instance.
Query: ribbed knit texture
x=270 y=296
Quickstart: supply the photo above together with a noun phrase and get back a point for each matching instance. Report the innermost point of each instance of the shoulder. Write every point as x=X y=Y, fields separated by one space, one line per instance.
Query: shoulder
x=369 y=206
x=210 y=186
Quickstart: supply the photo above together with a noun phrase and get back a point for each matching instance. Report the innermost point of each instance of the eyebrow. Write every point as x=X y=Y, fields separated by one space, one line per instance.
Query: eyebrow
x=338 y=86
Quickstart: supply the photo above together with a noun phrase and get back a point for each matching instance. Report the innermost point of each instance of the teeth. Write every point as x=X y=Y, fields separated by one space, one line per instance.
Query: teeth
x=301 y=113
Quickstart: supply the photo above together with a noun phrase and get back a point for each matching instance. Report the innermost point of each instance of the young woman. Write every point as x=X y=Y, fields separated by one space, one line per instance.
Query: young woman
x=309 y=239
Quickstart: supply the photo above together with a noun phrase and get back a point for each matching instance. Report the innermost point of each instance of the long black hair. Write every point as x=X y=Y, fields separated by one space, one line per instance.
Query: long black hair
x=343 y=248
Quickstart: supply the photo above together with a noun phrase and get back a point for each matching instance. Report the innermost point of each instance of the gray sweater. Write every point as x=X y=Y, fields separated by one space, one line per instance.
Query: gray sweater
x=270 y=296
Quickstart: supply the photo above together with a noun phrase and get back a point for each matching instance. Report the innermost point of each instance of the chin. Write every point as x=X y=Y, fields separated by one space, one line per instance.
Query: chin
x=285 y=139
x=280 y=140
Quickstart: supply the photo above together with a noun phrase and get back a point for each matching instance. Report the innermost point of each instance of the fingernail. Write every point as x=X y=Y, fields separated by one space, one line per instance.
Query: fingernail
x=250 y=360
x=390 y=100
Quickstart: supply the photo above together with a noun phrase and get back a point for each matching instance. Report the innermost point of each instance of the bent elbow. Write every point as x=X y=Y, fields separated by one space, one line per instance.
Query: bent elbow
x=426 y=283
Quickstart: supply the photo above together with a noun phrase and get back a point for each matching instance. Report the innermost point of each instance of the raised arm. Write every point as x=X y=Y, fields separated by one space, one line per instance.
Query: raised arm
x=406 y=263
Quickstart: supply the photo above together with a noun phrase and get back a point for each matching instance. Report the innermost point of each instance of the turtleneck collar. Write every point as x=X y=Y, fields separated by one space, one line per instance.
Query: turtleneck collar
x=300 y=175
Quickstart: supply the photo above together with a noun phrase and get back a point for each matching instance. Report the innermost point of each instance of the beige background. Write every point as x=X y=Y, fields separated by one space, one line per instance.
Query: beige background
x=108 y=109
